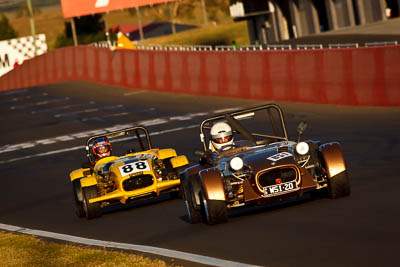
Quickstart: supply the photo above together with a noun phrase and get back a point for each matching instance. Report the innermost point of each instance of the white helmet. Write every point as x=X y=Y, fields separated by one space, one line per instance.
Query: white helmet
x=221 y=135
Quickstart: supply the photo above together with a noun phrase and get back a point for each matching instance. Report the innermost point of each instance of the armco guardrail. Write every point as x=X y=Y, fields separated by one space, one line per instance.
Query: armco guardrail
x=348 y=76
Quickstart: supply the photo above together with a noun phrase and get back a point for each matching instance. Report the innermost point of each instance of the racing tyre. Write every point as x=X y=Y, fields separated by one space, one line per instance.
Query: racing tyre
x=194 y=215
x=339 y=185
x=215 y=211
x=92 y=210
x=77 y=190
x=336 y=170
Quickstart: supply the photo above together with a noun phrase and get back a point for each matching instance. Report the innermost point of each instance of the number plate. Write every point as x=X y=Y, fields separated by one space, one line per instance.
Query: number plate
x=138 y=166
x=280 y=188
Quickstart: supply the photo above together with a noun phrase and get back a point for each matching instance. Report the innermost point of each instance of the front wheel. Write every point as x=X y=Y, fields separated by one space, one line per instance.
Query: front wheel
x=92 y=210
x=339 y=185
x=215 y=211
x=77 y=190
x=336 y=170
x=187 y=189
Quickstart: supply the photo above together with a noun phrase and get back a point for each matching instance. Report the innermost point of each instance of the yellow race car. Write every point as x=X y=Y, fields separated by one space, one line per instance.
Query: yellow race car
x=142 y=172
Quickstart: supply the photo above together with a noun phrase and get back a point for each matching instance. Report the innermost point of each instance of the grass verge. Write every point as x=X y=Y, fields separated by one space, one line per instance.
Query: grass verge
x=25 y=250
x=221 y=34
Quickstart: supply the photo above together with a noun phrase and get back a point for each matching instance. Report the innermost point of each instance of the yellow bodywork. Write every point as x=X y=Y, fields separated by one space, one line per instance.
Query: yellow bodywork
x=78 y=174
x=88 y=181
x=114 y=169
x=179 y=161
x=166 y=153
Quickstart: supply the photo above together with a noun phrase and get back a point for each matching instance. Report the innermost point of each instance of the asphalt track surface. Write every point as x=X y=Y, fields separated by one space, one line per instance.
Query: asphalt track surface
x=42 y=135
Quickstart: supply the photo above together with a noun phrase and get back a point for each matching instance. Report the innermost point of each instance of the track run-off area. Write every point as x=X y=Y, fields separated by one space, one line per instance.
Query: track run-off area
x=44 y=130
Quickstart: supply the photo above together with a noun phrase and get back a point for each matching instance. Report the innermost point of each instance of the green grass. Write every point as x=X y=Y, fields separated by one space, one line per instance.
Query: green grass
x=25 y=250
x=222 y=34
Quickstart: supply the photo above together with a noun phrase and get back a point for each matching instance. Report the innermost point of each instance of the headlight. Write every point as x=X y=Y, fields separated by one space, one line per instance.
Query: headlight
x=236 y=163
x=302 y=148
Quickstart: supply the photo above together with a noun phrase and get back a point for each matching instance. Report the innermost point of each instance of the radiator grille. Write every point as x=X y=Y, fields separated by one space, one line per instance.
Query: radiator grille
x=137 y=182
x=283 y=149
x=270 y=177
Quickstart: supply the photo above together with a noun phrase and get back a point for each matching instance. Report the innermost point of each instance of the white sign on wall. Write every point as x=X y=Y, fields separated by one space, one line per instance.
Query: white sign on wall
x=237 y=10
x=15 y=51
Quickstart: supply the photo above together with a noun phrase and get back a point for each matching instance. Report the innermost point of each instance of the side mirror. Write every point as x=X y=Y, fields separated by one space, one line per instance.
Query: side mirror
x=301 y=128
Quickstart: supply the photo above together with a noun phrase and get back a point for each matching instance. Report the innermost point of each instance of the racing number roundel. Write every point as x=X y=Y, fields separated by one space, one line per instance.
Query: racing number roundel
x=138 y=166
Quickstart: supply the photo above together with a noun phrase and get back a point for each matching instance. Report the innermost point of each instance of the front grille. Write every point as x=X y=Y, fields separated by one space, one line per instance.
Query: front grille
x=269 y=177
x=282 y=149
x=137 y=182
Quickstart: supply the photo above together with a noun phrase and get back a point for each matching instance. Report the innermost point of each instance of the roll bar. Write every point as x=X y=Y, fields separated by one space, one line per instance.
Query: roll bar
x=231 y=118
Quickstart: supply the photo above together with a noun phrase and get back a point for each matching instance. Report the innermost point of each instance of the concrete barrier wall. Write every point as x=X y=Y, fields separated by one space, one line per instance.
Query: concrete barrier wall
x=352 y=76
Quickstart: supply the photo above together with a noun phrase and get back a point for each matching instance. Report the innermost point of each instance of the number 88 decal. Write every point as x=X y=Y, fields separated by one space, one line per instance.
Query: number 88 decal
x=138 y=166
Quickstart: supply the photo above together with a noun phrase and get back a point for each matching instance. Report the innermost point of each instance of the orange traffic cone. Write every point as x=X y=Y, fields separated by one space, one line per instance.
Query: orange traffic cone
x=124 y=42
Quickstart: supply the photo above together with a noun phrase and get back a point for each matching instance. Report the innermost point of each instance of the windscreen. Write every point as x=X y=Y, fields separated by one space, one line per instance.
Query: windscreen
x=262 y=124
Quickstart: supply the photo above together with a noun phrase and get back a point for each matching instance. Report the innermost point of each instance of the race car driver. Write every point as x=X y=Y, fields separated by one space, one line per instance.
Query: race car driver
x=101 y=148
x=221 y=137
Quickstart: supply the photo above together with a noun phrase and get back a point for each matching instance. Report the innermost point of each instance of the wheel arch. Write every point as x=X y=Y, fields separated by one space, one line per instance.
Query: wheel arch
x=166 y=153
x=333 y=158
x=88 y=181
x=79 y=173
x=212 y=185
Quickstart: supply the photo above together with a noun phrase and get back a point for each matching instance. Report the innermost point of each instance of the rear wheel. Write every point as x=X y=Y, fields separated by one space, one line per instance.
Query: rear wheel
x=215 y=211
x=92 y=210
x=77 y=190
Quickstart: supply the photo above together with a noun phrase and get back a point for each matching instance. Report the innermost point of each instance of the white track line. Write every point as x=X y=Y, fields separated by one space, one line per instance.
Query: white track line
x=82 y=147
x=76 y=112
x=11 y=92
x=146 y=249
x=40 y=103
x=150 y=122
